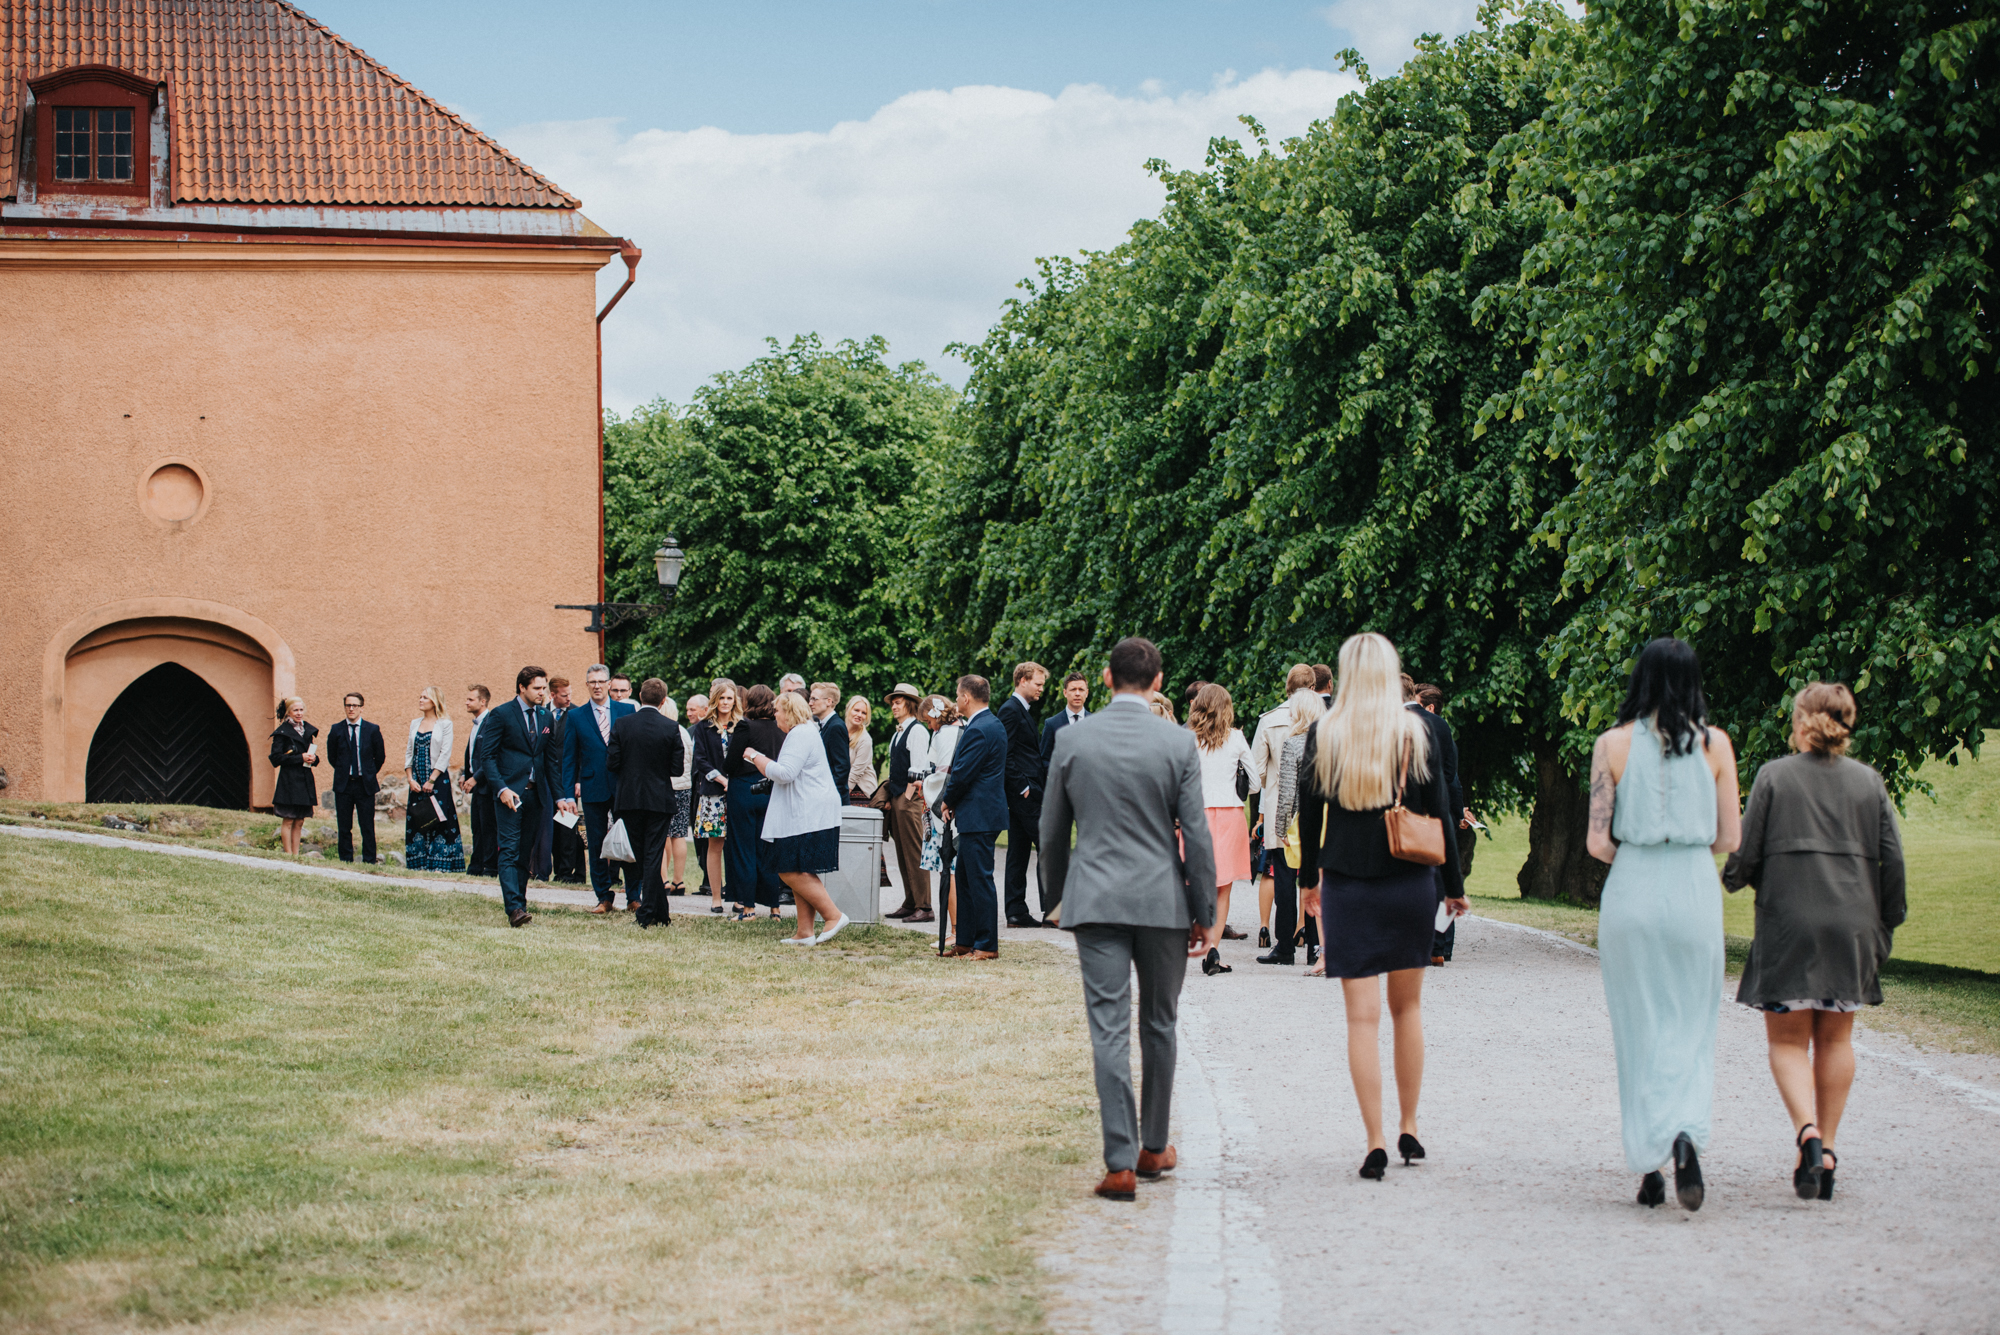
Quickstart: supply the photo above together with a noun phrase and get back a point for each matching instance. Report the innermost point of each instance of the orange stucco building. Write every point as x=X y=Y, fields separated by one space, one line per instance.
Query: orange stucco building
x=300 y=396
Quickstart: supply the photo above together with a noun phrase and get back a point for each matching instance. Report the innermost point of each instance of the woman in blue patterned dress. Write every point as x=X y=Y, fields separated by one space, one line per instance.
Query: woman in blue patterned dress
x=427 y=767
x=1662 y=804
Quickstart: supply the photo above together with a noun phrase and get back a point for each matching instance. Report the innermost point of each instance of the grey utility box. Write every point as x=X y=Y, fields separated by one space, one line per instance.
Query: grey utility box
x=857 y=887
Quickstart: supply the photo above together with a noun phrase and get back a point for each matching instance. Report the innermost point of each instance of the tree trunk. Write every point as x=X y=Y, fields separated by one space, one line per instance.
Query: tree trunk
x=1559 y=864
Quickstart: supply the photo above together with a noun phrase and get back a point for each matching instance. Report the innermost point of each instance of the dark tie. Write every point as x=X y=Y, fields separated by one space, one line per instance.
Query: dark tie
x=357 y=750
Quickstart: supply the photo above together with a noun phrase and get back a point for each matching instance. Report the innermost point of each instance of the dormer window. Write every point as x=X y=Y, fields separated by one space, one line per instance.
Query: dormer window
x=93 y=144
x=93 y=131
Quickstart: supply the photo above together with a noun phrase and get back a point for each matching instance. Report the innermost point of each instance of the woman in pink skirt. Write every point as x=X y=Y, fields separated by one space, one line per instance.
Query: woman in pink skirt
x=1224 y=755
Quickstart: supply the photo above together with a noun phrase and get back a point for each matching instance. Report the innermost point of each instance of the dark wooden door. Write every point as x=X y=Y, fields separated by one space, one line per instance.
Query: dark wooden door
x=169 y=738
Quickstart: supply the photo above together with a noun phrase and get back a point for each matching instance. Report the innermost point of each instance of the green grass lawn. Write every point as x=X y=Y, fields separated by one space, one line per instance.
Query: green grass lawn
x=1942 y=982
x=305 y=1104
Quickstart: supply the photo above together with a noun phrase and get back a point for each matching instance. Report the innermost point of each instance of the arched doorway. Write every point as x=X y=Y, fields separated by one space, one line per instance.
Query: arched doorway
x=169 y=737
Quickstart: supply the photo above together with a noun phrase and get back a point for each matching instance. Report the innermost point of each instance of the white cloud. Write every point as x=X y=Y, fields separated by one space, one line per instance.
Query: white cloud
x=915 y=223
x=1384 y=30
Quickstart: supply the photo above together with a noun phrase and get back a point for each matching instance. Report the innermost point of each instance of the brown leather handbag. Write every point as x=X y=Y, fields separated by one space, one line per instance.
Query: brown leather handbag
x=1413 y=838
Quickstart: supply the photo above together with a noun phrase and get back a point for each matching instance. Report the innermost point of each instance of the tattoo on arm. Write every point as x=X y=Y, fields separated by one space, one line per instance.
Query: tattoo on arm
x=1603 y=790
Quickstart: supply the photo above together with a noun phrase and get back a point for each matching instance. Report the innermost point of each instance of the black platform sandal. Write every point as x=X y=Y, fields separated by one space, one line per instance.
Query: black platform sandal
x=1652 y=1189
x=1409 y=1147
x=1688 y=1186
x=1826 y=1174
x=1376 y=1164
x=1805 y=1177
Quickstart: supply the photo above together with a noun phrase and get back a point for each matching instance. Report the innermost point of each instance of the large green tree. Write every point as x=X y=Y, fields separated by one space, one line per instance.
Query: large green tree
x=1766 y=345
x=792 y=485
x=1248 y=432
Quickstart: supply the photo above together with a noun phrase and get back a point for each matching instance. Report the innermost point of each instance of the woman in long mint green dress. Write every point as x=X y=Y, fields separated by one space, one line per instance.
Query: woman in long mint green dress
x=1662 y=804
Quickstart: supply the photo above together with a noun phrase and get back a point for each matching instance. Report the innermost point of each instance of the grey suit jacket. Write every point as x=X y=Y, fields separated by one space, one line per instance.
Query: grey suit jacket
x=1123 y=777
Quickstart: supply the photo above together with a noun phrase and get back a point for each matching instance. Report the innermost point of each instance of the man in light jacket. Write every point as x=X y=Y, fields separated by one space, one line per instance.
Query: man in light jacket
x=1124 y=778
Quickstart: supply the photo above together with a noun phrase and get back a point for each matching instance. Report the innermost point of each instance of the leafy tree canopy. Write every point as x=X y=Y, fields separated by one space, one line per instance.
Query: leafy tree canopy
x=1247 y=431
x=1764 y=344
x=792 y=485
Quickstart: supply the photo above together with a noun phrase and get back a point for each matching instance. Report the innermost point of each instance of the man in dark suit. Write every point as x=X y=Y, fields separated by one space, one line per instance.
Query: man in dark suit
x=644 y=756
x=512 y=760
x=354 y=753
x=825 y=701
x=1076 y=701
x=586 y=782
x=559 y=854
x=1445 y=747
x=485 y=859
x=1024 y=787
x=975 y=798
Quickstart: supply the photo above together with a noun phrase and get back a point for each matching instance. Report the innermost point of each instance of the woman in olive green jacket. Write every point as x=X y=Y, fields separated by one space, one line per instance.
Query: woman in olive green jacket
x=1820 y=845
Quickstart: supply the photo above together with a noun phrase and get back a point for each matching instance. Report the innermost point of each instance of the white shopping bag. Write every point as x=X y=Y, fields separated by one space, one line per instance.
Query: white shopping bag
x=617 y=844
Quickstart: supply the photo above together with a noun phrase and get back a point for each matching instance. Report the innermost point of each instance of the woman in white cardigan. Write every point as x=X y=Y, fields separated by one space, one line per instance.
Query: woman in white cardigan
x=427 y=768
x=802 y=824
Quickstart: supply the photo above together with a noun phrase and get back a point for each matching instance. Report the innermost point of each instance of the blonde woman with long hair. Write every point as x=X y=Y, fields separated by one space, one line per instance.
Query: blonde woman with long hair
x=711 y=787
x=1224 y=753
x=431 y=840
x=1377 y=911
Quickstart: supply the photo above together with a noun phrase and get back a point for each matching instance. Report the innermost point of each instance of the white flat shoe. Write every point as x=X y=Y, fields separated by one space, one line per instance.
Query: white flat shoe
x=831 y=932
x=798 y=940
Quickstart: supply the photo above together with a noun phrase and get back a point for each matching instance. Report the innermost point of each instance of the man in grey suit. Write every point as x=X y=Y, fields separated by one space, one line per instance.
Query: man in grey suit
x=1123 y=777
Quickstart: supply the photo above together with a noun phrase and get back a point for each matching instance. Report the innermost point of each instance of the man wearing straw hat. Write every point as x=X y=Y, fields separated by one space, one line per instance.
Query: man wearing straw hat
x=909 y=756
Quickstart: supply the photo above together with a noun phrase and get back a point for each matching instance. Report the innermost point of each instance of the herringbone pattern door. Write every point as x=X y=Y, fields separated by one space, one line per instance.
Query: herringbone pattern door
x=169 y=738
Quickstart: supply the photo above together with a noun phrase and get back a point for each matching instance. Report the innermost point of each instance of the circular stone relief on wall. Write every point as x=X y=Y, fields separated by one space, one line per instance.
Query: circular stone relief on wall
x=174 y=492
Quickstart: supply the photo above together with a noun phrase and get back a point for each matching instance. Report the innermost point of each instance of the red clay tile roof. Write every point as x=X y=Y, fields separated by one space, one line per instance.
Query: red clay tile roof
x=267 y=106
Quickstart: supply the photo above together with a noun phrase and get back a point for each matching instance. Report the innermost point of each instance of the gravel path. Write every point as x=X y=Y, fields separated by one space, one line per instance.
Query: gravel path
x=1522 y=1218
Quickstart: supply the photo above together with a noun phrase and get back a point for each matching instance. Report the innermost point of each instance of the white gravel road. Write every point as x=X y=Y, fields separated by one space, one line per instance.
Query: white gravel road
x=1522 y=1218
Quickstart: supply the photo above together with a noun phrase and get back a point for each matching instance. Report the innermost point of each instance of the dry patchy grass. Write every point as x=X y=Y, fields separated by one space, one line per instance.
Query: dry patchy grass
x=227 y=1097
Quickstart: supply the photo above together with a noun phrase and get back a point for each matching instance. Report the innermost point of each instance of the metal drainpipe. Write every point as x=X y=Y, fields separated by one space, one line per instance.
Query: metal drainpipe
x=630 y=254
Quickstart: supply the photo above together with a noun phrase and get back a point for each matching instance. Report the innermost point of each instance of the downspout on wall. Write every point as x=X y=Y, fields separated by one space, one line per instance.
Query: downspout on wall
x=630 y=254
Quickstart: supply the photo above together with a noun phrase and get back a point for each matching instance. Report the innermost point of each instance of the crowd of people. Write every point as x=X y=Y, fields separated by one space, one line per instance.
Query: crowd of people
x=1358 y=843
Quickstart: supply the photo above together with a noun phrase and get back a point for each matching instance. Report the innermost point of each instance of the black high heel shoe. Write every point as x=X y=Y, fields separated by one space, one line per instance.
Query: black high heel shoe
x=1826 y=1174
x=1409 y=1147
x=1376 y=1164
x=1652 y=1189
x=1688 y=1186
x=1211 y=963
x=1805 y=1178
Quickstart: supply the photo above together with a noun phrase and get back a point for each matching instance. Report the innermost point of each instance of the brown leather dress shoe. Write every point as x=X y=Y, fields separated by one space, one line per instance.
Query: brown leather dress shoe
x=1151 y=1165
x=980 y=955
x=602 y=908
x=1119 y=1186
x=519 y=919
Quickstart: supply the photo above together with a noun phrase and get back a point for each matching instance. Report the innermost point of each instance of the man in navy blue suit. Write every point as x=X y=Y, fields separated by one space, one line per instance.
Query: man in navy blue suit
x=355 y=755
x=587 y=781
x=513 y=741
x=975 y=799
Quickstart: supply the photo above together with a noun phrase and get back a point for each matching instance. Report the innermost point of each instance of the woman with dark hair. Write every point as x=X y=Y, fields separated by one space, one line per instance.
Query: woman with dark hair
x=294 y=753
x=1820 y=845
x=751 y=883
x=1662 y=804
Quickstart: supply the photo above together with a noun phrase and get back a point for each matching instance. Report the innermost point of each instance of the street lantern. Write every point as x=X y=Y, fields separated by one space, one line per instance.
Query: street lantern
x=667 y=561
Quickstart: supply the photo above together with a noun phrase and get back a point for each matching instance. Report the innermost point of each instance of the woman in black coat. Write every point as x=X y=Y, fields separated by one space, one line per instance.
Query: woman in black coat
x=750 y=883
x=295 y=753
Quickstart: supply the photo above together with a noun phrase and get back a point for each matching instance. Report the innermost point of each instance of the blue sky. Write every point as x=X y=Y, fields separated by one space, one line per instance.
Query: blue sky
x=851 y=169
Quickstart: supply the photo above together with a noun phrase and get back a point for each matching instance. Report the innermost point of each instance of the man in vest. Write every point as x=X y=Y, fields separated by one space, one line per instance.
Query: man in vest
x=909 y=754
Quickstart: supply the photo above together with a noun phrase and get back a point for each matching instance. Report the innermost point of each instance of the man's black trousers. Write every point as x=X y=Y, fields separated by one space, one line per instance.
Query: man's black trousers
x=348 y=806
x=1024 y=825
